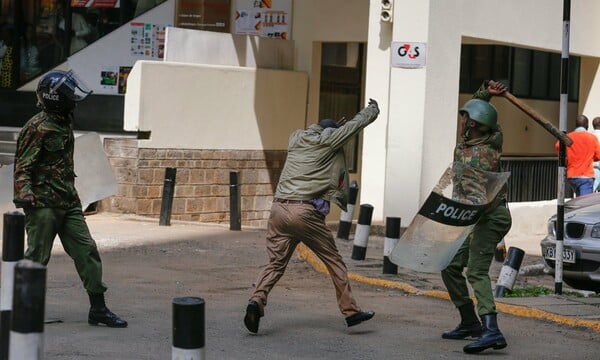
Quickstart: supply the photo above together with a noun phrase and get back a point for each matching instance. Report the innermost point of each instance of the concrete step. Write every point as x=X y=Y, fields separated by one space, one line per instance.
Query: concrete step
x=8 y=146
x=7 y=158
x=9 y=135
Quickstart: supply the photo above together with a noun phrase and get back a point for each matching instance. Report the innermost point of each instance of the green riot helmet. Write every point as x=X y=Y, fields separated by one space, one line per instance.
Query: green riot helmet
x=482 y=112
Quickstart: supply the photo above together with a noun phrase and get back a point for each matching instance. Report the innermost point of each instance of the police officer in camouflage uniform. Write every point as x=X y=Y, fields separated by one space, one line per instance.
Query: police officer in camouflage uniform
x=44 y=186
x=314 y=175
x=480 y=147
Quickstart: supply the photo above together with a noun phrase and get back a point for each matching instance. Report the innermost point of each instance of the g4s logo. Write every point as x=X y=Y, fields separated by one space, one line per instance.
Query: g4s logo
x=405 y=50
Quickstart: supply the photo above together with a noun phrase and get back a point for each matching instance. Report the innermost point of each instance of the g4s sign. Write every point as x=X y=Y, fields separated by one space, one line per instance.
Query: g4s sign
x=408 y=54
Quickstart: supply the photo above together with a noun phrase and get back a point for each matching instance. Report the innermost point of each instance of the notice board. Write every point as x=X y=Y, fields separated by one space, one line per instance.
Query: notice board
x=210 y=15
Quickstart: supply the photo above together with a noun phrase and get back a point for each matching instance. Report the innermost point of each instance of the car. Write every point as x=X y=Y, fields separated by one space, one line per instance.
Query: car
x=581 y=243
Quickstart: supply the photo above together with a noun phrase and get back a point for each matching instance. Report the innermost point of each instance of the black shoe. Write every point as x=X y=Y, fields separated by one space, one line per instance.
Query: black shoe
x=252 y=318
x=359 y=317
x=464 y=331
x=106 y=317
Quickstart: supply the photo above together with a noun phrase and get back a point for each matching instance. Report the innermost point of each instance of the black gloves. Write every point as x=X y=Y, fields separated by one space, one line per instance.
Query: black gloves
x=25 y=202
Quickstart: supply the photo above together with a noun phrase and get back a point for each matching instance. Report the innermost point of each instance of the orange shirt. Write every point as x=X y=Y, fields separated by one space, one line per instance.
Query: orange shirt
x=581 y=154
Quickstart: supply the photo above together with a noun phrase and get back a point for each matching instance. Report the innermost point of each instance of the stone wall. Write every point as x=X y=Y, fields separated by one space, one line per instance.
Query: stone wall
x=201 y=185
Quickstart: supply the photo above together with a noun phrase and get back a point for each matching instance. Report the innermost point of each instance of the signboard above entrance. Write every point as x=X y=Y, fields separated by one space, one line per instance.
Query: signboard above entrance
x=267 y=18
x=210 y=15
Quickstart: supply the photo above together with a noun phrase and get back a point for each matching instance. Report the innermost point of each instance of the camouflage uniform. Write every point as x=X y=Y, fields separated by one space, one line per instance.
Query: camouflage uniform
x=477 y=251
x=44 y=169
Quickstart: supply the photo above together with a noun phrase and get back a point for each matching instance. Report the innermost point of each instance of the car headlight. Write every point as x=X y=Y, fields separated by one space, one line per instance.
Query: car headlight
x=596 y=231
x=552 y=228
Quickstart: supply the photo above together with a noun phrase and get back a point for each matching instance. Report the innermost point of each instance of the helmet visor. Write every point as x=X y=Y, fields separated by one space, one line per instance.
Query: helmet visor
x=75 y=88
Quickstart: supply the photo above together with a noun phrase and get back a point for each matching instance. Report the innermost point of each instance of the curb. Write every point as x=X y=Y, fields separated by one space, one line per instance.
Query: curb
x=522 y=311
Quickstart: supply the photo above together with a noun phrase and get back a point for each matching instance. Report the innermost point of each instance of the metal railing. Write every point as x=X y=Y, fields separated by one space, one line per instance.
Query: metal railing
x=532 y=178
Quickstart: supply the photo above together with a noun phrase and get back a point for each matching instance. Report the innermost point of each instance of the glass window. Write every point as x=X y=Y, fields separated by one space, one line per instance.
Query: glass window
x=481 y=65
x=528 y=73
x=574 y=64
x=540 y=75
x=33 y=33
x=500 y=66
x=554 y=84
x=521 y=72
x=465 y=69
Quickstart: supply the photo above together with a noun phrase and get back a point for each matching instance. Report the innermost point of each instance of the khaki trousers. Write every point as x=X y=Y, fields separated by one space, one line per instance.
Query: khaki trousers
x=288 y=225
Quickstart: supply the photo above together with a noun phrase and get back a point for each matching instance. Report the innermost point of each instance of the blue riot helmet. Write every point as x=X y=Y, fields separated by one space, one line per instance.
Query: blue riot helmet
x=59 y=91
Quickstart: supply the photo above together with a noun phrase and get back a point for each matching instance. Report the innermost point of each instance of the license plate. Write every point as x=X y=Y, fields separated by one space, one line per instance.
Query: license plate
x=568 y=254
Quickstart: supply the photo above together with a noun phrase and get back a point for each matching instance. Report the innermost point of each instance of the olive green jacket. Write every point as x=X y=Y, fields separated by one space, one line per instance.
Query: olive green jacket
x=44 y=162
x=316 y=166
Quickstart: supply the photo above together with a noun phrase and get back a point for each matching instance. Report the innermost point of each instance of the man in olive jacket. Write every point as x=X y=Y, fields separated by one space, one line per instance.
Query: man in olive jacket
x=314 y=175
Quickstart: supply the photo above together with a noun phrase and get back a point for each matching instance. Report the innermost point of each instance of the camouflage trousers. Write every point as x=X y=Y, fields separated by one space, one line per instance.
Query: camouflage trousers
x=476 y=255
x=42 y=226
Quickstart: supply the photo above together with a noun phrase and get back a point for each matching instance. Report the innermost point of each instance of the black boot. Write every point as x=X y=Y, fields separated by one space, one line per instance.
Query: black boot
x=100 y=314
x=490 y=338
x=469 y=324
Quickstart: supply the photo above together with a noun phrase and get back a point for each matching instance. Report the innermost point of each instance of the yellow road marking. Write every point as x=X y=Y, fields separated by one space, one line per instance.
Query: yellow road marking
x=515 y=310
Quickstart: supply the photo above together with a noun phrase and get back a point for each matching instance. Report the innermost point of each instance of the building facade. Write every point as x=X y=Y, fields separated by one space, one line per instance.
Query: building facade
x=221 y=102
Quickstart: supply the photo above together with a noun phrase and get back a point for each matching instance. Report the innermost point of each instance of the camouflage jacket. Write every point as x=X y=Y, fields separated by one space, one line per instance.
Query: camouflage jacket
x=481 y=153
x=44 y=162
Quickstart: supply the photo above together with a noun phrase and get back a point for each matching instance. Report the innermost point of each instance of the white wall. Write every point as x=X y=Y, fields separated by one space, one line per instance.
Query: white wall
x=209 y=47
x=408 y=147
x=375 y=139
x=191 y=106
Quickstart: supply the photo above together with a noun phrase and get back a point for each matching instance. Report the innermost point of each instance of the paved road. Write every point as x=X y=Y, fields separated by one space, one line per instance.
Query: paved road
x=146 y=266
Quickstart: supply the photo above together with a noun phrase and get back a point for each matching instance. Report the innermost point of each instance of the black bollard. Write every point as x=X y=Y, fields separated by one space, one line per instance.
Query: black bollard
x=188 y=328
x=27 y=322
x=392 y=236
x=13 y=243
x=235 y=201
x=346 y=216
x=167 y=196
x=509 y=271
x=361 y=238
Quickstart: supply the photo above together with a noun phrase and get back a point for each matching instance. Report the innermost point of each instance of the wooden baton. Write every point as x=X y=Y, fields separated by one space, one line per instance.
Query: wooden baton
x=537 y=117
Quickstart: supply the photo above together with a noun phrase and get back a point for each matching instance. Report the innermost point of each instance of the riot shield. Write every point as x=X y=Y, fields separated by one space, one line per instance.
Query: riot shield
x=444 y=221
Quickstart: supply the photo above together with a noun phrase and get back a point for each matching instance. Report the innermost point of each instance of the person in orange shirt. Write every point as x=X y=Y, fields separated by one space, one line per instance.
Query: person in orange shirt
x=581 y=156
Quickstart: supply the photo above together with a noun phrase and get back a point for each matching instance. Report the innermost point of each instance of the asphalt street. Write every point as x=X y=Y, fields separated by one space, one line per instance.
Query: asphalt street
x=147 y=265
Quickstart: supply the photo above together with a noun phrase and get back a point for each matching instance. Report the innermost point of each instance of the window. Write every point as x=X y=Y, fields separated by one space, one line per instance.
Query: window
x=528 y=73
x=33 y=33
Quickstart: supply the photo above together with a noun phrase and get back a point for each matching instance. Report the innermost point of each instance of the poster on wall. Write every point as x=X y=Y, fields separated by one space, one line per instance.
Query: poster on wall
x=210 y=15
x=123 y=74
x=148 y=40
x=109 y=78
x=266 y=18
x=112 y=4
x=113 y=79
